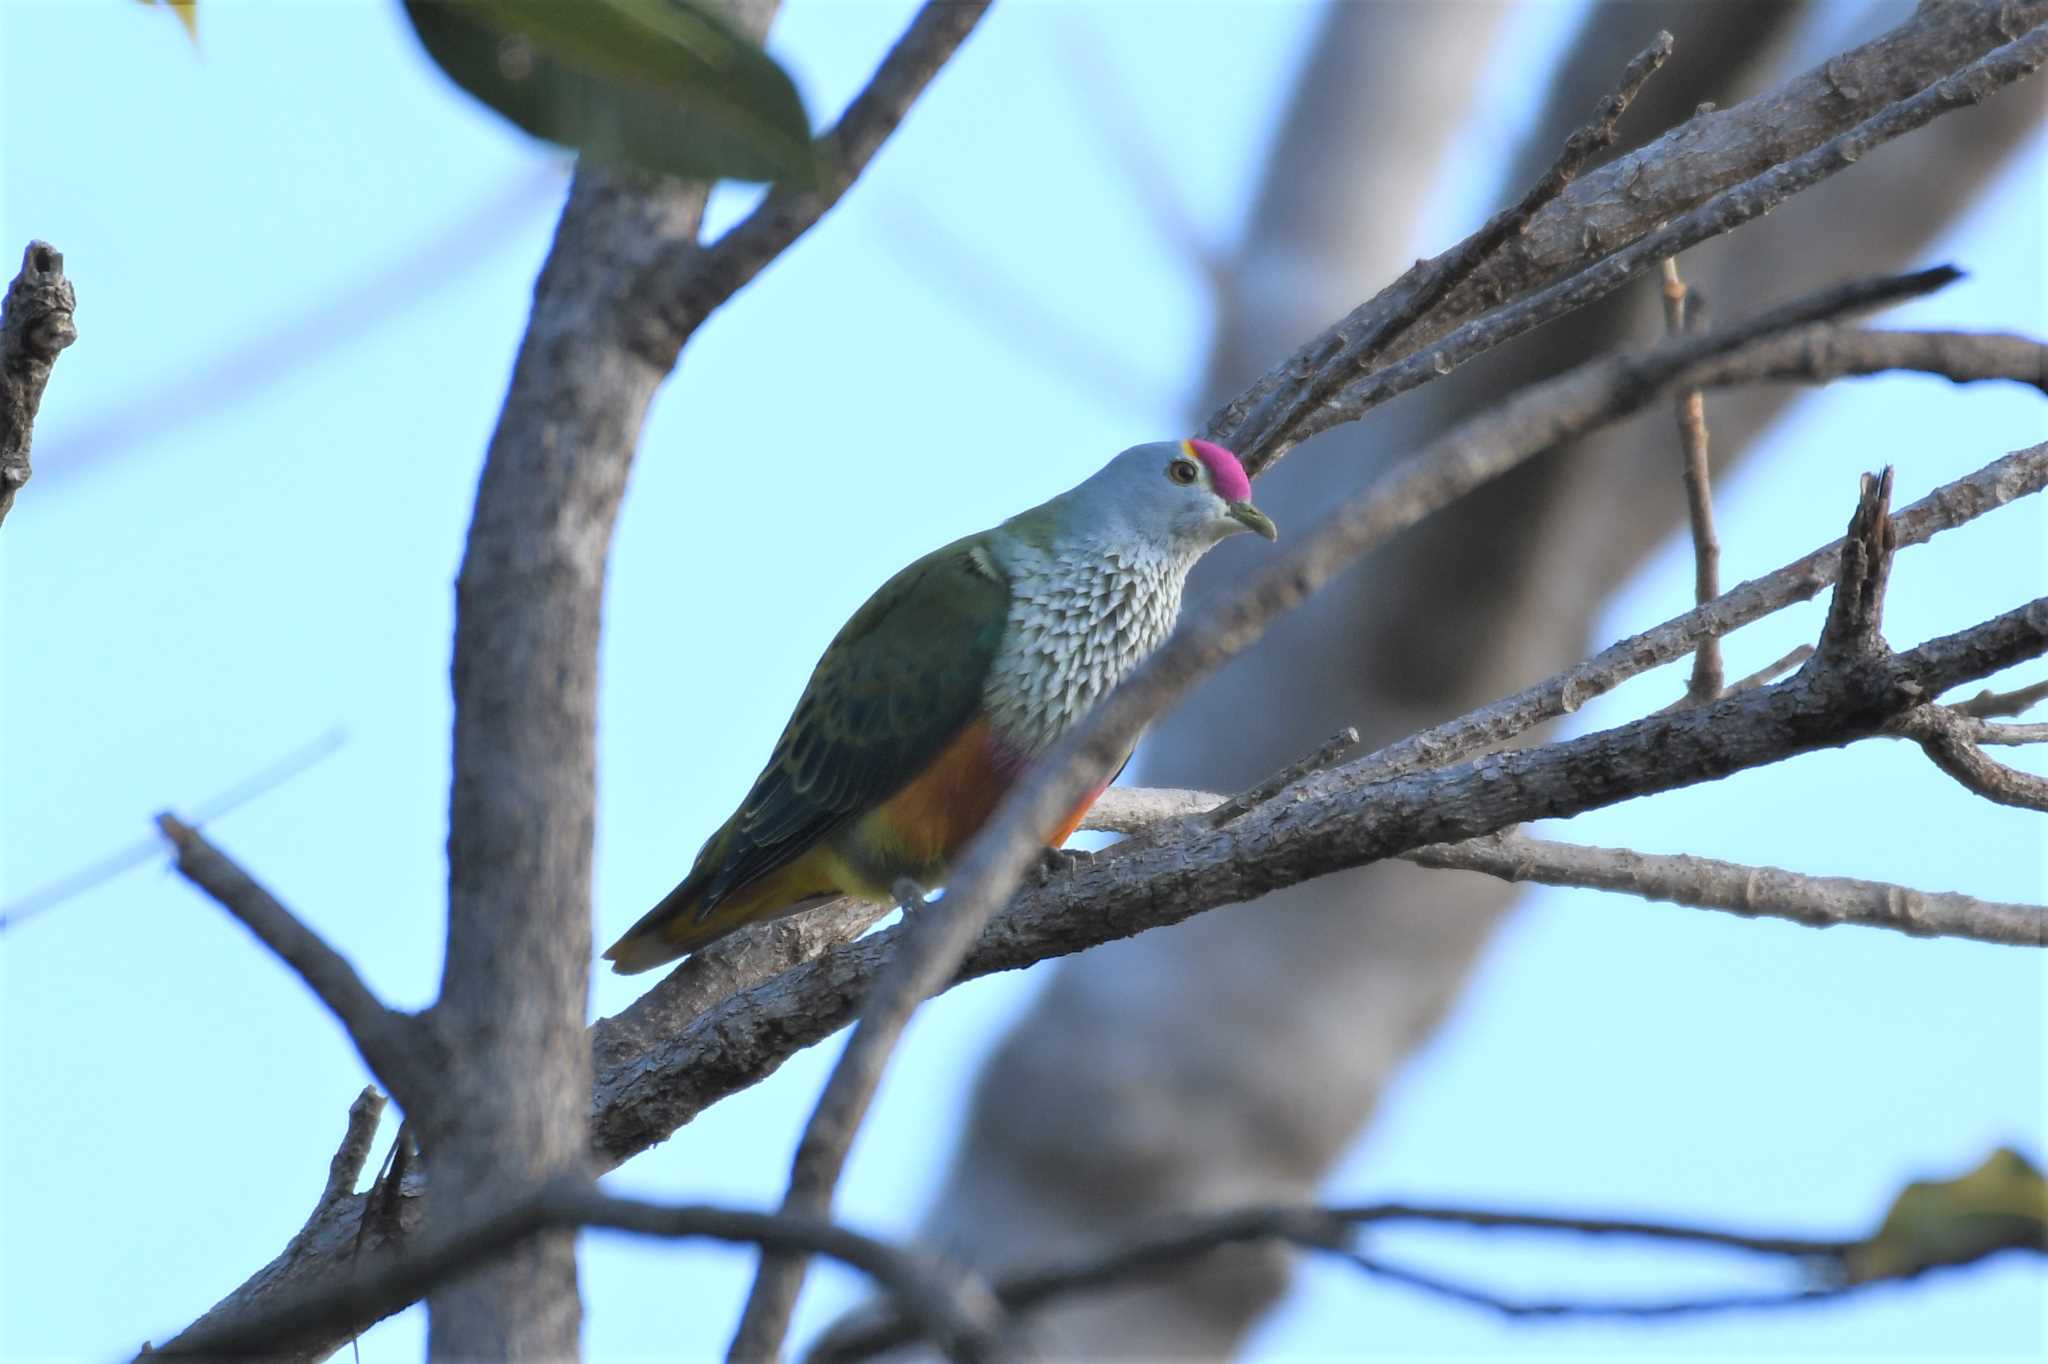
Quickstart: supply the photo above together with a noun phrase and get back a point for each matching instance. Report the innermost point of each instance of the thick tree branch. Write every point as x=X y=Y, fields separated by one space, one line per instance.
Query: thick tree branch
x=1654 y=203
x=36 y=322
x=1336 y=819
x=957 y=1312
x=392 y=1044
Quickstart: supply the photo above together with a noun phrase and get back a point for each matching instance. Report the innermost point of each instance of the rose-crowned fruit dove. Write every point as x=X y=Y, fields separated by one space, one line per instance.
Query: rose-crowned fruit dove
x=935 y=698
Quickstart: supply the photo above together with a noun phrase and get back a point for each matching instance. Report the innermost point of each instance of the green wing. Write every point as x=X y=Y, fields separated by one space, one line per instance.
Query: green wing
x=897 y=684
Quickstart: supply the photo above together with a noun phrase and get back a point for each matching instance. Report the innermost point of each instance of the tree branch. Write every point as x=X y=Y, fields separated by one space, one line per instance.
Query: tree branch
x=1660 y=199
x=1336 y=819
x=36 y=323
x=1680 y=316
x=1753 y=892
x=1987 y=705
x=1721 y=214
x=354 y=1152
x=1176 y=1246
x=1950 y=741
x=393 y=1044
x=2017 y=475
x=1681 y=879
x=1427 y=284
x=958 y=1313
x=693 y=282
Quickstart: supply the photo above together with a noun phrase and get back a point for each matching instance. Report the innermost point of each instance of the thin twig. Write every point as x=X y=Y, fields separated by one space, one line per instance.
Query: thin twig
x=1985 y=732
x=693 y=282
x=1988 y=705
x=1271 y=432
x=1333 y=1231
x=1691 y=406
x=354 y=1152
x=1762 y=677
x=36 y=323
x=1753 y=892
x=2020 y=474
x=962 y=1317
x=144 y=851
x=1950 y=741
x=390 y=1042
x=1680 y=879
x=1332 y=751
x=1428 y=282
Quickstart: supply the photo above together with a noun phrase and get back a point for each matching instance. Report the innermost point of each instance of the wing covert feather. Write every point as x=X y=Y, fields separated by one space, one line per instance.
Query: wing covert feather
x=895 y=686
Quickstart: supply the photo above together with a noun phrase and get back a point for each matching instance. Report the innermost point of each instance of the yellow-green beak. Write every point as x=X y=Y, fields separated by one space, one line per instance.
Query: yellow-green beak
x=1251 y=518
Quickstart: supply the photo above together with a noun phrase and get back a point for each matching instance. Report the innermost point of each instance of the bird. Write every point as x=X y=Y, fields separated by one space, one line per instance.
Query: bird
x=935 y=698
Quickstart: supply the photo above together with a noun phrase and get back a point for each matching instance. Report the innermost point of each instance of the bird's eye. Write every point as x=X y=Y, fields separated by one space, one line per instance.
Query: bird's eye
x=1180 y=471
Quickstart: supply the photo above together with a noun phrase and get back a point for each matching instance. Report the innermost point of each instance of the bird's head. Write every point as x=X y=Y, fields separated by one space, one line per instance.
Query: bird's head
x=1189 y=492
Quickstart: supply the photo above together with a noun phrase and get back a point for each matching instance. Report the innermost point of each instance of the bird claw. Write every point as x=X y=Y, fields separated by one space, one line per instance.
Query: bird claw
x=910 y=896
x=1054 y=861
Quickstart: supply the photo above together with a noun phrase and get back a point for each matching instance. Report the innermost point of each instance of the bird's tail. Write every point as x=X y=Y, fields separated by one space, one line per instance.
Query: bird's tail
x=684 y=922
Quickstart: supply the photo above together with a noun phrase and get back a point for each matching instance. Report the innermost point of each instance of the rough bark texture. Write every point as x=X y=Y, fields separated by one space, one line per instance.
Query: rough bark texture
x=1143 y=1079
x=515 y=988
x=35 y=324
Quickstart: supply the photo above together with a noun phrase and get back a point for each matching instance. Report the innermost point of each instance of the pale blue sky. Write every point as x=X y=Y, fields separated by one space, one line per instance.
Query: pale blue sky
x=226 y=552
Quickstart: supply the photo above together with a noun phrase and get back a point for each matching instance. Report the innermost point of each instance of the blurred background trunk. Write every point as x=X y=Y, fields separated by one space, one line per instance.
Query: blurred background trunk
x=1234 y=1058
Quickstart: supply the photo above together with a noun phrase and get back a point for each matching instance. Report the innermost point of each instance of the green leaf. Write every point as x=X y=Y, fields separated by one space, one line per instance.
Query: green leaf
x=663 y=84
x=2000 y=1205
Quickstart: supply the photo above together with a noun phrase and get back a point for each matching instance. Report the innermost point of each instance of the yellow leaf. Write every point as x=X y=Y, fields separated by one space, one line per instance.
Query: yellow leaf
x=2000 y=1205
x=187 y=12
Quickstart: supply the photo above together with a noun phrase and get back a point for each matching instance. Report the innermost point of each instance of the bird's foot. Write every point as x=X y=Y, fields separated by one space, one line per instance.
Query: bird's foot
x=1053 y=861
x=910 y=896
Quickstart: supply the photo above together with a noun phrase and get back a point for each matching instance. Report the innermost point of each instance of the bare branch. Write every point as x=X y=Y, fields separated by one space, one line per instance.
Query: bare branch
x=960 y=1315
x=1681 y=879
x=1333 y=751
x=1762 y=677
x=1140 y=809
x=1424 y=286
x=1662 y=199
x=1175 y=1246
x=48 y=896
x=1691 y=406
x=36 y=323
x=2004 y=480
x=1950 y=740
x=626 y=283
x=1986 y=705
x=1770 y=672
x=1753 y=892
x=692 y=282
x=732 y=964
x=391 y=1042
x=354 y=1152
